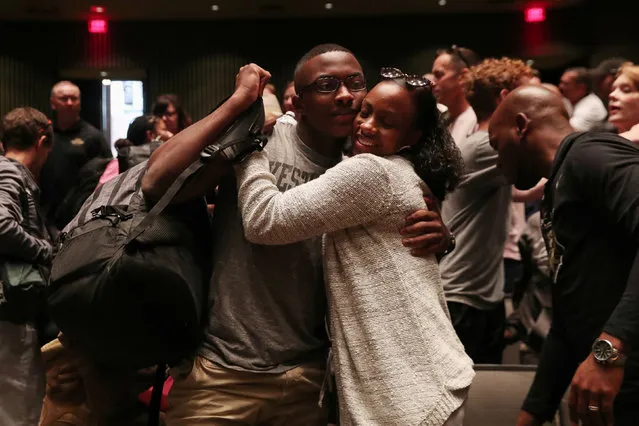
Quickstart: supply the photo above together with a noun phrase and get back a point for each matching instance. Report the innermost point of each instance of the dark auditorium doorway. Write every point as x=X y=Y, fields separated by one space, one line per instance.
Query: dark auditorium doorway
x=91 y=98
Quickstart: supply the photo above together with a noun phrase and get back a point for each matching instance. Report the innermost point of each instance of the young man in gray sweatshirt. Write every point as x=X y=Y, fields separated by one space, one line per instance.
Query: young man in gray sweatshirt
x=263 y=357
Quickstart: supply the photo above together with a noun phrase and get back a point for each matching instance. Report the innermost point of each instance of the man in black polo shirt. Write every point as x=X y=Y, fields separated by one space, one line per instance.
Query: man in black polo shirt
x=76 y=142
x=590 y=220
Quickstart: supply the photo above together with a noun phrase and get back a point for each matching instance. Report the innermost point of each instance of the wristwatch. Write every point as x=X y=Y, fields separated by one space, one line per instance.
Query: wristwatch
x=606 y=354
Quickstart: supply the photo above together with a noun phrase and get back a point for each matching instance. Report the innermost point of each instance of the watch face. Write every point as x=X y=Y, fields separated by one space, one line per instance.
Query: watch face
x=602 y=350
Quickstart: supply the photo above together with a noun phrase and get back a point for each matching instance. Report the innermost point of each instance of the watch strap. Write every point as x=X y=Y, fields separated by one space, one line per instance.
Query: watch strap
x=619 y=359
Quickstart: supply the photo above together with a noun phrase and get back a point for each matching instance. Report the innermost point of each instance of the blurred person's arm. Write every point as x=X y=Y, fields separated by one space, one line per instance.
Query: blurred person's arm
x=529 y=195
x=537 y=245
x=272 y=109
x=354 y=192
x=183 y=149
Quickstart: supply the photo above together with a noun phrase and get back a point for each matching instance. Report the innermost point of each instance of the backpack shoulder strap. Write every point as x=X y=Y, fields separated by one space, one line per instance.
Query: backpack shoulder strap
x=164 y=202
x=156 y=396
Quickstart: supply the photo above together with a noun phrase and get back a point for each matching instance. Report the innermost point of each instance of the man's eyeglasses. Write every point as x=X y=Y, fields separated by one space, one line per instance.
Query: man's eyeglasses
x=414 y=81
x=330 y=84
x=454 y=50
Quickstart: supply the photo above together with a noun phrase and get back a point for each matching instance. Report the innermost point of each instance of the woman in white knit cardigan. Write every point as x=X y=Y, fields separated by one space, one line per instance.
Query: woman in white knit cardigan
x=397 y=358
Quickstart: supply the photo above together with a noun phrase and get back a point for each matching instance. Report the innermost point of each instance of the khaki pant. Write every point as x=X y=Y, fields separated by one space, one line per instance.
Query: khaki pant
x=215 y=396
x=79 y=394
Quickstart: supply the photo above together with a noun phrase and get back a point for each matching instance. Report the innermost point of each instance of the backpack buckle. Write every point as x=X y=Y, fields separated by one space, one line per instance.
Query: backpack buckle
x=99 y=213
x=114 y=214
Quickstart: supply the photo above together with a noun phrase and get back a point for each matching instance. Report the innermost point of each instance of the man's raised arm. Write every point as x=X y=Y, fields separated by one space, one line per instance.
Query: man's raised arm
x=174 y=156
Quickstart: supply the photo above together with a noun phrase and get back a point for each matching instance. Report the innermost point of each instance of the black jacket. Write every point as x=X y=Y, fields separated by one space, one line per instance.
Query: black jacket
x=72 y=149
x=590 y=220
x=23 y=234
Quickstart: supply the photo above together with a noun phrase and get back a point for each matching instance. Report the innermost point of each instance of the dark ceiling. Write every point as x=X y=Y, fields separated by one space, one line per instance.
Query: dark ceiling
x=69 y=10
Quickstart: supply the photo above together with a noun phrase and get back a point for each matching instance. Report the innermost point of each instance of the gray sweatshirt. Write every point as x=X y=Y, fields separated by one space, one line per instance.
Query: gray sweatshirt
x=397 y=359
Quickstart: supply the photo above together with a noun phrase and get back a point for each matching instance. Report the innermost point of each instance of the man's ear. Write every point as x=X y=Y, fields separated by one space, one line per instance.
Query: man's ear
x=462 y=75
x=41 y=141
x=584 y=90
x=503 y=93
x=149 y=135
x=523 y=125
x=298 y=104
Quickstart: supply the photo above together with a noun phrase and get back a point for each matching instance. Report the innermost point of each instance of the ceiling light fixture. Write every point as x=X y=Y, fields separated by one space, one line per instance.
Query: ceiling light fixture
x=106 y=82
x=97 y=9
x=442 y=2
x=328 y=6
x=215 y=7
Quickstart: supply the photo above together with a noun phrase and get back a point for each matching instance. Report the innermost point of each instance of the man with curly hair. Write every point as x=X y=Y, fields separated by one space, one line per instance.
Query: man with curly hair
x=477 y=213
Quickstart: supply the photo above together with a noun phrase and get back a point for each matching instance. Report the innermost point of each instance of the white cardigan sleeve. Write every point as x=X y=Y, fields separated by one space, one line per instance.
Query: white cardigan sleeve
x=354 y=192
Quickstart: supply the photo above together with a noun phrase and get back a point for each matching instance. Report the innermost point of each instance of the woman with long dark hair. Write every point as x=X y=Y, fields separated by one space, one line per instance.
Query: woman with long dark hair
x=397 y=358
x=170 y=110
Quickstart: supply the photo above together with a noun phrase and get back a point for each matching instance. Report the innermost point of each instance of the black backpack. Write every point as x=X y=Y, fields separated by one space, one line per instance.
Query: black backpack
x=129 y=283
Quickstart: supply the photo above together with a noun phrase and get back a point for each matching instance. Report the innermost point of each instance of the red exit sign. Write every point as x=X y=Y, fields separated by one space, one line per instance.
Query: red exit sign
x=535 y=14
x=98 y=26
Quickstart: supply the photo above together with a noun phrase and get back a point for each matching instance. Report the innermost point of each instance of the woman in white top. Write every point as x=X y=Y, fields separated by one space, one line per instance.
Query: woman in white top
x=623 y=106
x=397 y=358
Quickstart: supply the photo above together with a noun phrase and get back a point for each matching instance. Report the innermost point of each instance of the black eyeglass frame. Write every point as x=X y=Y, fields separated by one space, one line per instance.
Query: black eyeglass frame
x=346 y=82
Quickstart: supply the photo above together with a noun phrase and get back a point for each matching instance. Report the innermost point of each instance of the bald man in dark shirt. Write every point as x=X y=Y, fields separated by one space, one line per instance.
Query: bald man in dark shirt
x=76 y=142
x=590 y=220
